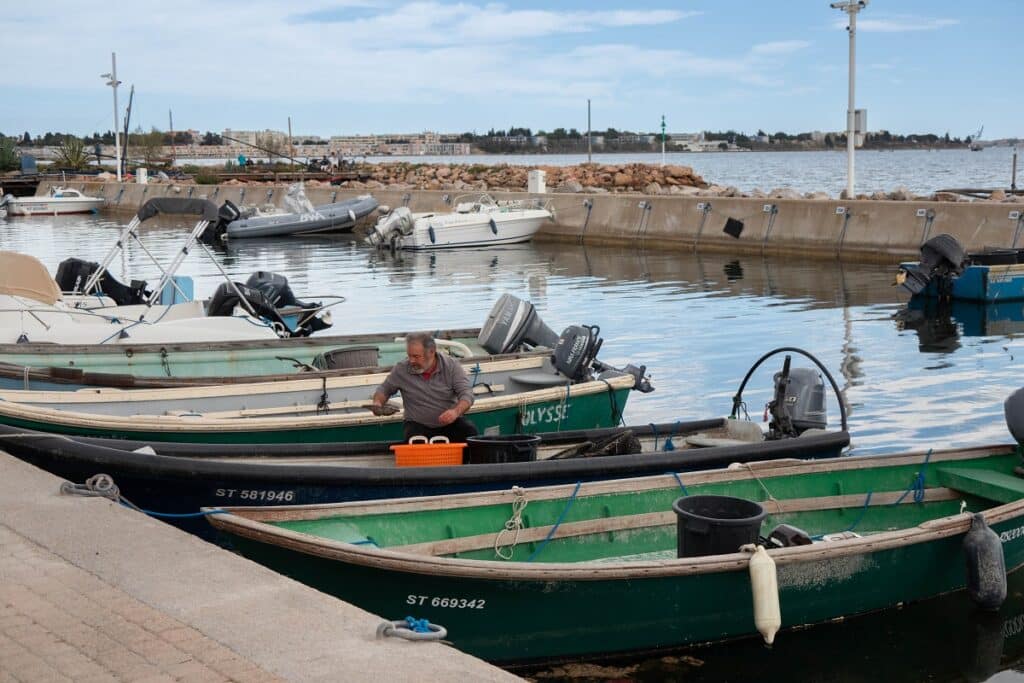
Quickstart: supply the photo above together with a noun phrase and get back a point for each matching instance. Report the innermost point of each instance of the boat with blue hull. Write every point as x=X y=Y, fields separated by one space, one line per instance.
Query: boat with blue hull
x=947 y=271
x=182 y=478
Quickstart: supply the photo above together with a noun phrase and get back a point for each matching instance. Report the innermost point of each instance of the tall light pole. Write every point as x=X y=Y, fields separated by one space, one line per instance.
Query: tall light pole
x=113 y=83
x=852 y=8
x=589 y=136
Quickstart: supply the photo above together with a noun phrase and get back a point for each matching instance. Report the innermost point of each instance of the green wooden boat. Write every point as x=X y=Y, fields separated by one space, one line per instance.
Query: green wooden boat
x=516 y=395
x=218 y=359
x=512 y=326
x=594 y=572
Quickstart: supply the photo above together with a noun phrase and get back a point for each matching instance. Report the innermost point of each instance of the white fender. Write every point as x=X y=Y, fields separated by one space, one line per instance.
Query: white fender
x=765 y=586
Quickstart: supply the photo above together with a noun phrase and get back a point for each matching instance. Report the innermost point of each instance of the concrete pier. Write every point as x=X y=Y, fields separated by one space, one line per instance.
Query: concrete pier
x=871 y=230
x=91 y=591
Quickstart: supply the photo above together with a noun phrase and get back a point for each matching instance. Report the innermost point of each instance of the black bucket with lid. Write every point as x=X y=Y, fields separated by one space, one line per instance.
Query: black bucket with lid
x=482 y=450
x=715 y=525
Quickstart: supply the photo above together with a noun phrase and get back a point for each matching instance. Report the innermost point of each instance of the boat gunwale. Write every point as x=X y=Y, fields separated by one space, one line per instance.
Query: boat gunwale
x=253 y=523
x=201 y=424
x=47 y=348
x=125 y=460
x=113 y=380
x=89 y=395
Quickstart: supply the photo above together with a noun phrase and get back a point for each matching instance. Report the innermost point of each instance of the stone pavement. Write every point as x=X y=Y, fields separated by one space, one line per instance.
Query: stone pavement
x=61 y=623
x=91 y=591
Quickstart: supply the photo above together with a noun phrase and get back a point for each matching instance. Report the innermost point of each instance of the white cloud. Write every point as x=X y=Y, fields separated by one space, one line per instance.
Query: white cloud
x=899 y=24
x=327 y=55
x=780 y=47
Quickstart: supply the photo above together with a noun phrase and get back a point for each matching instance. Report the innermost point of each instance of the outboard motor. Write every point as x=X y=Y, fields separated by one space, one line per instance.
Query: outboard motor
x=576 y=350
x=391 y=227
x=511 y=323
x=73 y=273
x=217 y=233
x=799 y=402
x=224 y=301
x=1013 y=410
x=942 y=258
x=276 y=290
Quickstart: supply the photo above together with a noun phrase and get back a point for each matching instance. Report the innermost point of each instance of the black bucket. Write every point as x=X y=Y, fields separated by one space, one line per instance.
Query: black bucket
x=715 y=525
x=482 y=450
x=347 y=358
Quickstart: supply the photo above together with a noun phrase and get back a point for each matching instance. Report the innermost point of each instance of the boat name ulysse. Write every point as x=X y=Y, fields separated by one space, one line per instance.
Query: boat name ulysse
x=546 y=414
x=454 y=603
x=1011 y=534
x=255 y=494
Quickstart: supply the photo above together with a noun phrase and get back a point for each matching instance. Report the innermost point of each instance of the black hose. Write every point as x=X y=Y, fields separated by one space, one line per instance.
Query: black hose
x=737 y=400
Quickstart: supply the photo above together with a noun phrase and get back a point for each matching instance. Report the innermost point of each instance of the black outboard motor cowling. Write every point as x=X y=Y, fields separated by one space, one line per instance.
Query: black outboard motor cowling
x=73 y=273
x=1013 y=410
x=802 y=405
x=576 y=350
x=275 y=287
x=224 y=300
x=511 y=323
x=216 y=233
x=942 y=257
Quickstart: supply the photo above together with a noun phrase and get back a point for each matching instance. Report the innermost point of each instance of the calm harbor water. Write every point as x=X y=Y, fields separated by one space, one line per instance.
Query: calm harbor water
x=912 y=379
x=920 y=171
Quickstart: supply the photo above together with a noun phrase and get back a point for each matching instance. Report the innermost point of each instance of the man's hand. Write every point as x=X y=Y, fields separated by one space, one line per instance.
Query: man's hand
x=448 y=416
x=383 y=409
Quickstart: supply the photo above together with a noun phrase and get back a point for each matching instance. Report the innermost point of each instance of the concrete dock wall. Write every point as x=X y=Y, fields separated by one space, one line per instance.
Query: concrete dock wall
x=874 y=230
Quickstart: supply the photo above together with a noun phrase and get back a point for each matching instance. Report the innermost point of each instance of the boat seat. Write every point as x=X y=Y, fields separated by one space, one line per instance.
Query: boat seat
x=1003 y=488
x=539 y=379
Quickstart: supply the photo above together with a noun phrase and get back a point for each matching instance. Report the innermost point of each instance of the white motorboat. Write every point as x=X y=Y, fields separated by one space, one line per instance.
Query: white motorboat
x=96 y=309
x=60 y=200
x=480 y=222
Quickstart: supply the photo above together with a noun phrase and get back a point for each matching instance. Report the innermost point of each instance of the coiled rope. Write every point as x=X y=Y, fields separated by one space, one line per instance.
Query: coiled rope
x=514 y=524
x=103 y=486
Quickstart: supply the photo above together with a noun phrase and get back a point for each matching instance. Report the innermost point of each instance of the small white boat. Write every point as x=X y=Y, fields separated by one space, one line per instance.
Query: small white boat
x=60 y=200
x=481 y=222
x=95 y=309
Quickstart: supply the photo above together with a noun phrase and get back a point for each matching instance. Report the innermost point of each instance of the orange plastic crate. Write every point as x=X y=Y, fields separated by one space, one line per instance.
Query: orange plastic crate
x=428 y=454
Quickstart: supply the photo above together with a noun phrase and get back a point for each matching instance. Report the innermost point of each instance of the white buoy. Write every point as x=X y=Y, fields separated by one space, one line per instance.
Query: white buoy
x=765 y=587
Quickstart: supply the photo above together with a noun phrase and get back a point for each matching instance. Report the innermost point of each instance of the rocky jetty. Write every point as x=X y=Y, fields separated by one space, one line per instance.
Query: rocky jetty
x=644 y=179
x=592 y=178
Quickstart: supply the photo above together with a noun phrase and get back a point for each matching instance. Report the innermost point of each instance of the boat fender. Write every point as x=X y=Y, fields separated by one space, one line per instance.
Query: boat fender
x=494 y=226
x=986 y=566
x=352 y=216
x=430 y=231
x=764 y=585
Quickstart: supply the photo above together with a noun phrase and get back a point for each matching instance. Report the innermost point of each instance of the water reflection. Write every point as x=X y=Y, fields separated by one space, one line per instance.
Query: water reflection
x=946 y=639
x=697 y=320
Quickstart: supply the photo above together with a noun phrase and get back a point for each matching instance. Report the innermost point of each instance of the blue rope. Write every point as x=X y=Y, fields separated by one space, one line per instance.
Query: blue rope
x=475 y=371
x=175 y=515
x=860 y=517
x=554 y=528
x=418 y=625
x=654 y=431
x=681 y=484
x=917 y=483
x=367 y=541
x=669 y=446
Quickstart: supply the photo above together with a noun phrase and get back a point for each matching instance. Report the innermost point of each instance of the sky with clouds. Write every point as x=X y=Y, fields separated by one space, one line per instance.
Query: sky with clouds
x=368 y=66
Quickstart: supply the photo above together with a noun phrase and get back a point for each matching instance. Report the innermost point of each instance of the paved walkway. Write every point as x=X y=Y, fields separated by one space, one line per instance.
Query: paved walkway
x=91 y=591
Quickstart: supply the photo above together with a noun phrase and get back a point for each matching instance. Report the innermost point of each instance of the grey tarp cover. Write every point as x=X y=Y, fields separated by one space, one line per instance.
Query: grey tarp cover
x=203 y=208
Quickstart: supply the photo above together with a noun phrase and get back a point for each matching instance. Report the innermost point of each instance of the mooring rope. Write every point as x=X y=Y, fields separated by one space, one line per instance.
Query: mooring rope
x=514 y=524
x=103 y=486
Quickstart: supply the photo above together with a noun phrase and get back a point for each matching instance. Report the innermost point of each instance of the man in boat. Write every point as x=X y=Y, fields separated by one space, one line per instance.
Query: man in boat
x=435 y=392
